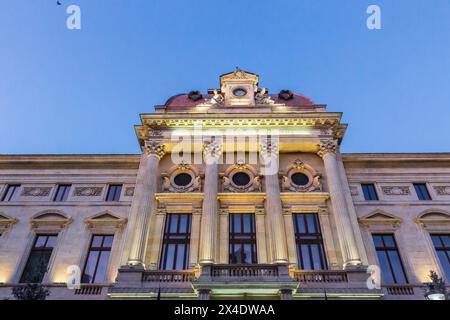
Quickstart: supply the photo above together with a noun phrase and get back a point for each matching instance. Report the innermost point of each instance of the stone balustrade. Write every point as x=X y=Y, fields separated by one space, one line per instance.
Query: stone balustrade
x=168 y=276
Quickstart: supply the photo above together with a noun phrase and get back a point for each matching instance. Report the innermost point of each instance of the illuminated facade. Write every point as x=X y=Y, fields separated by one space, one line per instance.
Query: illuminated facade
x=238 y=193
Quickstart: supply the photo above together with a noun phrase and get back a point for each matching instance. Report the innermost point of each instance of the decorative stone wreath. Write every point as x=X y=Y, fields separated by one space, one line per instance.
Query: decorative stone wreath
x=241 y=177
x=301 y=177
x=182 y=178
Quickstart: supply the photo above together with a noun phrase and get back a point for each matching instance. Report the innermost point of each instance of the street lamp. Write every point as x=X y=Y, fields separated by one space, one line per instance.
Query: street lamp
x=436 y=289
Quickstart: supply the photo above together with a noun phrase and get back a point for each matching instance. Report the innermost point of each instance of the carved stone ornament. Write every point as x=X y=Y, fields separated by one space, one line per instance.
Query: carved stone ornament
x=354 y=190
x=442 y=190
x=312 y=183
x=217 y=99
x=396 y=190
x=325 y=147
x=262 y=98
x=154 y=148
x=129 y=191
x=268 y=149
x=169 y=180
x=88 y=191
x=36 y=191
x=254 y=179
x=212 y=150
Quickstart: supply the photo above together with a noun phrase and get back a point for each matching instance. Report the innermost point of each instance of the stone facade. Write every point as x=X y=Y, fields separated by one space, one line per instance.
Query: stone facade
x=285 y=151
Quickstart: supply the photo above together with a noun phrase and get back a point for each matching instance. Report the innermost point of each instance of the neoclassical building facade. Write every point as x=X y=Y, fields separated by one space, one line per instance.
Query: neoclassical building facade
x=238 y=194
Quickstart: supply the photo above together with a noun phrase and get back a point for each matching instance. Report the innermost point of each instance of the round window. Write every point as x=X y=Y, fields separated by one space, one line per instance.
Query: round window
x=241 y=179
x=239 y=92
x=300 y=179
x=182 y=179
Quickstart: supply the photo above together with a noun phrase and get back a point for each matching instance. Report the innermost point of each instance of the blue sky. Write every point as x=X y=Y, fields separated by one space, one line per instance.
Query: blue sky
x=81 y=91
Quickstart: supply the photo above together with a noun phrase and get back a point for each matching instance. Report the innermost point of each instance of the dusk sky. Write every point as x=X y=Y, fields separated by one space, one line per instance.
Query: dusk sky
x=81 y=91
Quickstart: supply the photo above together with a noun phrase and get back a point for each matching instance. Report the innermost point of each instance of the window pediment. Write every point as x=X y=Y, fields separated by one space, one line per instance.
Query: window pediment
x=51 y=219
x=434 y=217
x=6 y=222
x=380 y=217
x=106 y=219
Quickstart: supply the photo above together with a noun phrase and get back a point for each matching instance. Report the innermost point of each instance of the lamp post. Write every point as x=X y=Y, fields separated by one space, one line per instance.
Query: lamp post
x=436 y=289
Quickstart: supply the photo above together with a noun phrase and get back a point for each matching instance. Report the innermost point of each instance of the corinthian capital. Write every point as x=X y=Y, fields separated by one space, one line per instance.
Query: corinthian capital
x=154 y=148
x=212 y=150
x=325 y=147
x=268 y=149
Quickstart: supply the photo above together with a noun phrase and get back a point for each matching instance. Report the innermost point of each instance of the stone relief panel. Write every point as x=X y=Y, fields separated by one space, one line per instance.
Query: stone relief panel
x=442 y=190
x=129 y=191
x=36 y=191
x=396 y=190
x=87 y=191
x=354 y=191
x=301 y=177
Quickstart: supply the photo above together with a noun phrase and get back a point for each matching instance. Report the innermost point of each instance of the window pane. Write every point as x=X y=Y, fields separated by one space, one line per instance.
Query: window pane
x=305 y=257
x=183 y=223
x=108 y=241
x=237 y=223
x=300 y=223
x=97 y=241
x=446 y=240
x=180 y=257
x=36 y=267
x=89 y=270
x=40 y=242
x=51 y=241
x=397 y=267
x=102 y=267
x=436 y=241
x=310 y=222
x=247 y=223
x=444 y=258
x=389 y=241
x=173 y=223
x=386 y=272
x=378 y=241
x=170 y=260
x=247 y=253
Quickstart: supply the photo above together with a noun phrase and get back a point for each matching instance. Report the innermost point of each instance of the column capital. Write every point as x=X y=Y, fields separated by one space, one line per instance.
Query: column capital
x=212 y=150
x=154 y=148
x=268 y=149
x=327 y=147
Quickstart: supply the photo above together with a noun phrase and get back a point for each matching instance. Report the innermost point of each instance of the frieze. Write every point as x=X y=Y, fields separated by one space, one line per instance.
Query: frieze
x=396 y=190
x=36 y=191
x=442 y=190
x=88 y=191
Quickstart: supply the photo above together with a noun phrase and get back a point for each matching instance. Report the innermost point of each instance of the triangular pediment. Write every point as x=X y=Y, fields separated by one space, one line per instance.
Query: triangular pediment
x=239 y=76
x=379 y=216
x=106 y=218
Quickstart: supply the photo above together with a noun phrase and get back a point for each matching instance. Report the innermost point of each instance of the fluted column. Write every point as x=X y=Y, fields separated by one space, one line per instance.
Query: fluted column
x=327 y=151
x=269 y=157
x=143 y=201
x=211 y=152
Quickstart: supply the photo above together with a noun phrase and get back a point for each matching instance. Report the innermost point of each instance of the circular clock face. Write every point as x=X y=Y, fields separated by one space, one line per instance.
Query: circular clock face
x=300 y=179
x=239 y=92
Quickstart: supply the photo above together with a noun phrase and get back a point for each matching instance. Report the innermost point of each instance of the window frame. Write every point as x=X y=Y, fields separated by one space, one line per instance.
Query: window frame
x=5 y=193
x=175 y=238
x=318 y=240
x=114 y=185
x=375 y=192
x=399 y=255
x=420 y=193
x=100 y=249
x=65 y=194
x=242 y=238
x=445 y=273
x=33 y=249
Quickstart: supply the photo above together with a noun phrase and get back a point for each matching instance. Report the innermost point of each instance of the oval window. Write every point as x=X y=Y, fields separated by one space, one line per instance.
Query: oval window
x=300 y=179
x=182 y=179
x=239 y=92
x=241 y=179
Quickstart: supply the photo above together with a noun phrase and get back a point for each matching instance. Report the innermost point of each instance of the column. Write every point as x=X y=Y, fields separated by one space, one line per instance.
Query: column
x=211 y=152
x=269 y=156
x=327 y=151
x=224 y=234
x=143 y=201
x=290 y=236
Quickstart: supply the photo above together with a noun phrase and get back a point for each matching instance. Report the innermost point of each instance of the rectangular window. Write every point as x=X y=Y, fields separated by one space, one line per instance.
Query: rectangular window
x=242 y=241
x=391 y=266
x=369 y=191
x=39 y=258
x=10 y=192
x=422 y=191
x=114 y=192
x=62 y=193
x=97 y=259
x=441 y=243
x=176 y=241
x=309 y=242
